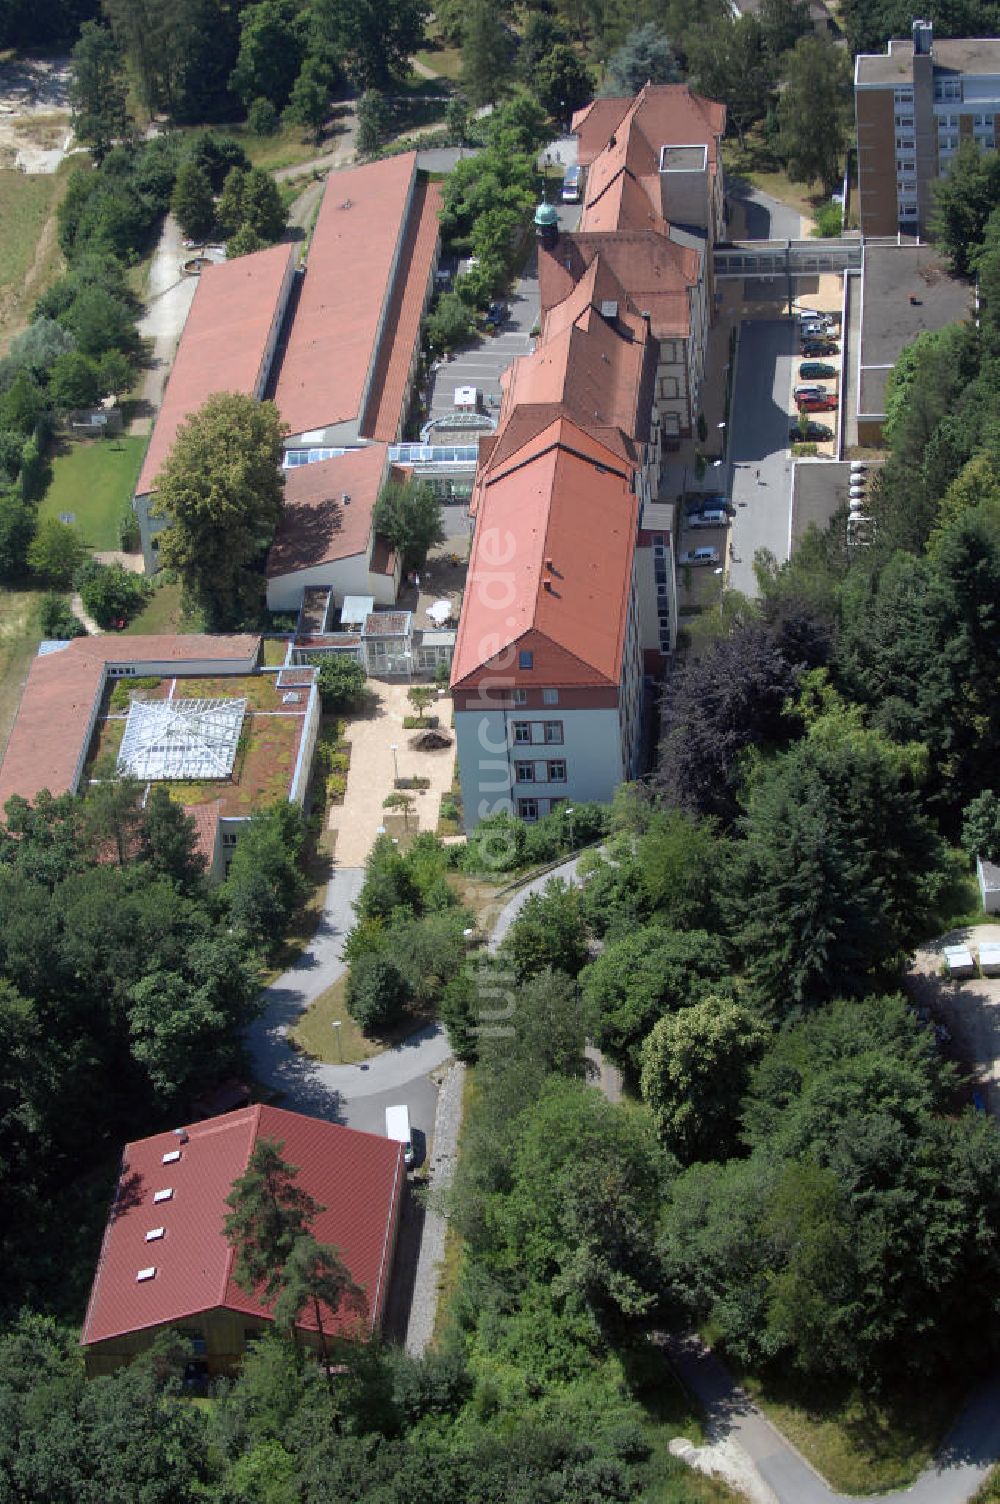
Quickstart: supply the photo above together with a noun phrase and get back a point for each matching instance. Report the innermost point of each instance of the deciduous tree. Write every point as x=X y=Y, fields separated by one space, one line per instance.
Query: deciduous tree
x=98 y=89
x=814 y=111
x=221 y=490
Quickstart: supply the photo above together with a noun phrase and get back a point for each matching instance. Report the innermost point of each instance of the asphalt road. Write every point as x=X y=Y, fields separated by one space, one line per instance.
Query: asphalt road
x=763 y=217
x=760 y=464
x=965 y=1460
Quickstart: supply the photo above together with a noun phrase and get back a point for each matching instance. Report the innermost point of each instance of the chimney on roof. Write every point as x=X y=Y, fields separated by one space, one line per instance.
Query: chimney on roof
x=345 y=498
x=548 y=564
x=613 y=140
x=547 y=585
x=181 y=1134
x=923 y=38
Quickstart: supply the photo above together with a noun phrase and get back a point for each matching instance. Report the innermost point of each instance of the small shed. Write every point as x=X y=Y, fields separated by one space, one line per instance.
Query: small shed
x=988 y=874
x=959 y=961
x=355 y=612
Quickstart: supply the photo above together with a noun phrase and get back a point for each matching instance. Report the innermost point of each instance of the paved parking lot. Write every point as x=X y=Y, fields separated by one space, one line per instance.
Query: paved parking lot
x=760 y=463
x=969 y=1010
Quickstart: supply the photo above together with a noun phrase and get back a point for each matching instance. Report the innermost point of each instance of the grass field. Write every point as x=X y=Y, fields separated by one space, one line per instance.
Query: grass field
x=442 y=60
x=94 y=479
x=30 y=258
x=163 y=613
x=19 y=637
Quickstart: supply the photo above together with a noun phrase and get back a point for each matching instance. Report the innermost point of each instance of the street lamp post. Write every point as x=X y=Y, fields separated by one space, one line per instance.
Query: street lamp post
x=569 y=816
x=340 y=1048
x=394 y=748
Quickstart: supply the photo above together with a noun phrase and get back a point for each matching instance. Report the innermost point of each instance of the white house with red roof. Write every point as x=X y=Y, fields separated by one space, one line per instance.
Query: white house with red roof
x=165 y=1261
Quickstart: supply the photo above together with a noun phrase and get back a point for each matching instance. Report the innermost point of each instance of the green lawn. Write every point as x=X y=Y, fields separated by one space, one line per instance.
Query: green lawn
x=315 y=1035
x=164 y=613
x=445 y=61
x=29 y=251
x=19 y=637
x=94 y=479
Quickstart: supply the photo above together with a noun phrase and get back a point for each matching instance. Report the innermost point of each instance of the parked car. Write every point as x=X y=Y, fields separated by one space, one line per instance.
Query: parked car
x=814 y=432
x=571 y=185
x=496 y=314
x=816 y=370
x=695 y=502
x=819 y=345
x=703 y=555
x=815 y=330
x=811 y=315
x=825 y=404
x=808 y=389
x=709 y=517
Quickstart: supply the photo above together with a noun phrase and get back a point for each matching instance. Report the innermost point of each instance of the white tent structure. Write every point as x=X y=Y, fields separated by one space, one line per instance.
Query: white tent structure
x=190 y=739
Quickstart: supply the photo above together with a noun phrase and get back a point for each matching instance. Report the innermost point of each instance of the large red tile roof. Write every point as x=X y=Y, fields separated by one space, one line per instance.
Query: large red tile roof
x=53 y=720
x=667 y=114
x=223 y=346
x=356 y=1177
x=563 y=509
x=656 y=272
x=345 y=292
x=206 y=819
x=384 y=410
x=316 y=525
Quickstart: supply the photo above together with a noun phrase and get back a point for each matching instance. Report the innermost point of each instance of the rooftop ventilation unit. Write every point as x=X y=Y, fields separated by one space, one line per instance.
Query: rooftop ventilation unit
x=181 y=1135
x=609 y=309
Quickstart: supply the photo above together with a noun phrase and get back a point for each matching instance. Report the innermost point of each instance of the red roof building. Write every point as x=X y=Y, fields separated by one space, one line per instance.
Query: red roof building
x=61 y=700
x=653 y=208
x=165 y=1261
x=354 y=339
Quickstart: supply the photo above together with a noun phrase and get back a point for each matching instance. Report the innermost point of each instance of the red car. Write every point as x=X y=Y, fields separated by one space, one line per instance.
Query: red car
x=817 y=404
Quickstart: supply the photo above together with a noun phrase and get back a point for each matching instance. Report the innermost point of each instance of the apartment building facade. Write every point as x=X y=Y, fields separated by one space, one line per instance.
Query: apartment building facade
x=914 y=106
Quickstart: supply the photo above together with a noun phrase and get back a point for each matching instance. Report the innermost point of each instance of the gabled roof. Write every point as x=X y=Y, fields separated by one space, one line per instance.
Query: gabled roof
x=655 y=271
x=384 y=410
x=224 y=344
x=348 y=282
x=667 y=114
x=317 y=524
x=356 y=1177
x=590 y=368
x=564 y=505
x=54 y=719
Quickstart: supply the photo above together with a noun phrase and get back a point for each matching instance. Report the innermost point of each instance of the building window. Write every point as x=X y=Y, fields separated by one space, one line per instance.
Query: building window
x=557 y=772
x=904 y=96
x=553 y=733
x=550 y=697
x=907 y=211
x=527 y=809
x=525 y=658
x=524 y=772
x=519 y=697
x=522 y=731
x=198 y=1344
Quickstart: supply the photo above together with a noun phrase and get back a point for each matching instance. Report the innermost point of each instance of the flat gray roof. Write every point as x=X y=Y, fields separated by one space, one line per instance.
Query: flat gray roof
x=976 y=56
x=683 y=158
x=892 y=276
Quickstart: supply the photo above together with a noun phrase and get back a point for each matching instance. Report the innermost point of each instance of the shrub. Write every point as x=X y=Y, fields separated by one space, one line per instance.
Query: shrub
x=336 y=788
x=110 y=592
x=377 y=993
x=262 y=118
x=829 y=220
x=57 y=621
x=341 y=681
x=414 y=723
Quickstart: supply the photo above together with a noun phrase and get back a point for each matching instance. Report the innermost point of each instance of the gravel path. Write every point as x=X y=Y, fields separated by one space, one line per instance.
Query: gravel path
x=447 y=1125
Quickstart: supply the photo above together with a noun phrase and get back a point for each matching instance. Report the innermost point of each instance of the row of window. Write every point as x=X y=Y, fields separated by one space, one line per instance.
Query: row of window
x=520 y=697
x=540 y=772
x=531 y=809
x=548 y=732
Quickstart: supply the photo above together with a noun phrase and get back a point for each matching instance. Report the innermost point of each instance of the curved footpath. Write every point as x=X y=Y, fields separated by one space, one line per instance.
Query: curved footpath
x=331 y=1091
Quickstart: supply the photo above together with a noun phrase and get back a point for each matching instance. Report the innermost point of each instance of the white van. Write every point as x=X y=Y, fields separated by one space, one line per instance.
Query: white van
x=397 y=1127
x=571 y=186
